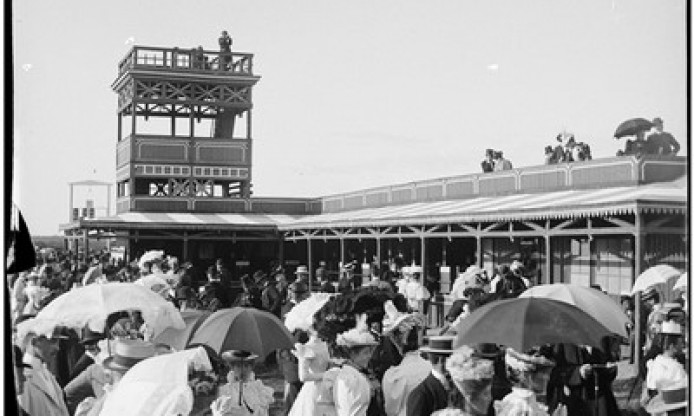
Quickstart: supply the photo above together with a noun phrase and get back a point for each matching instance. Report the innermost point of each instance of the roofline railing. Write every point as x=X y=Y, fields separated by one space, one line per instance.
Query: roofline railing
x=186 y=60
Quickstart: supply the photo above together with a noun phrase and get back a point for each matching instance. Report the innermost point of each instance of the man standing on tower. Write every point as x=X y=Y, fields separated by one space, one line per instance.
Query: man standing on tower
x=225 y=49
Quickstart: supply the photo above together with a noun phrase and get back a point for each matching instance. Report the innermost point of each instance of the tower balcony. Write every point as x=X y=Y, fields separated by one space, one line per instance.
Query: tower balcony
x=190 y=61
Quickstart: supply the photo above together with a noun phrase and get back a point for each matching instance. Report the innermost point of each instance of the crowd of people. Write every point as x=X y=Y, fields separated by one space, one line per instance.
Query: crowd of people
x=360 y=349
x=494 y=161
x=658 y=142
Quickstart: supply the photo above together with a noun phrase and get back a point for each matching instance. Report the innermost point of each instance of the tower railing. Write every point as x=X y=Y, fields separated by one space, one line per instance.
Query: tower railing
x=186 y=60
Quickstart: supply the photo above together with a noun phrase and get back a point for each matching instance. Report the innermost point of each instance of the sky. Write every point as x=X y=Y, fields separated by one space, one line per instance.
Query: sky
x=353 y=94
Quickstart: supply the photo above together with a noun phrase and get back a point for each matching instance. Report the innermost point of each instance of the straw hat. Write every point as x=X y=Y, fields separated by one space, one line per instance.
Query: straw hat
x=301 y=270
x=127 y=353
x=440 y=345
x=668 y=400
x=238 y=356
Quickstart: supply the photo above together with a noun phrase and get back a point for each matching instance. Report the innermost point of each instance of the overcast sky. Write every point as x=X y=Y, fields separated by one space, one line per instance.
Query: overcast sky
x=354 y=94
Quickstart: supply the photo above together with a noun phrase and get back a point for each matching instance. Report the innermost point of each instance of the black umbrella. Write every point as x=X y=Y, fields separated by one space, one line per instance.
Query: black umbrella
x=632 y=126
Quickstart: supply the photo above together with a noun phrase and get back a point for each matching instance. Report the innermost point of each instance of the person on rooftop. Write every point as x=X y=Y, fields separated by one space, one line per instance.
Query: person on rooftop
x=661 y=142
x=500 y=163
x=488 y=162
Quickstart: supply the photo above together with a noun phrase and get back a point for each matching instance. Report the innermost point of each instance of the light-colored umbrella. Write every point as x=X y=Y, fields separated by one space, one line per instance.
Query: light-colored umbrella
x=90 y=305
x=179 y=338
x=597 y=304
x=682 y=283
x=301 y=315
x=523 y=323
x=152 y=255
x=655 y=275
x=154 y=282
x=248 y=329
x=157 y=386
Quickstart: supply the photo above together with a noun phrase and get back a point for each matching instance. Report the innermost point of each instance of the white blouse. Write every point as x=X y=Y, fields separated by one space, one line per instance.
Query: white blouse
x=665 y=373
x=351 y=392
x=400 y=380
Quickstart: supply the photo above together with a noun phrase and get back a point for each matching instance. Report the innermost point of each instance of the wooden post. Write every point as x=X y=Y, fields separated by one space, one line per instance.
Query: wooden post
x=638 y=256
x=548 y=261
x=185 y=247
x=480 y=263
x=309 y=254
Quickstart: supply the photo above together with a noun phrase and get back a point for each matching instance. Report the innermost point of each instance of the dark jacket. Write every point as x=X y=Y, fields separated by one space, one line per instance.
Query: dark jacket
x=582 y=399
x=271 y=300
x=428 y=397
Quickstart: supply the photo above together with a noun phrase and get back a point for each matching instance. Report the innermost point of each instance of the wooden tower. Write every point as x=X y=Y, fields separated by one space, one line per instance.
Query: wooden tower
x=184 y=130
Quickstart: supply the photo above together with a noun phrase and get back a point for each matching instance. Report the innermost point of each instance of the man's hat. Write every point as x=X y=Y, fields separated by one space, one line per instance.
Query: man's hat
x=127 y=353
x=439 y=345
x=657 y=120
x=301 y=270
x=91 y=337
x=238 y=356
x=487 y=350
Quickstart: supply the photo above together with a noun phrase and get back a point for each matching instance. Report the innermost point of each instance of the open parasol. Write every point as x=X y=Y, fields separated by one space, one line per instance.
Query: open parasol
x=90 y=305
x=523 y=323
x=179 y=338
x=632 y=127
x=682 y=282
x=157 y=386
x=239 y=328
x=653 y=276
x=301 y=315
x=594 y=302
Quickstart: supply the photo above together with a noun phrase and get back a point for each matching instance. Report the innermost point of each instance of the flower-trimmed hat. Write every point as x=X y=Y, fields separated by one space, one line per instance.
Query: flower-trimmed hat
x=465 y=364
x=395 y=319
x=355 y=338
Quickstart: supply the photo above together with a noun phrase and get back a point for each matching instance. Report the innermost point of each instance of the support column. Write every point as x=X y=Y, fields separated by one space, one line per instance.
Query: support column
x=480 y=261
x=69 y=220
x=342 y=250
x=378 y=251
x=548 y=261
x=86 y=243
x=309 y=254
x=280 y=250
x=638 y=256
x=185 y=247
x=422 y=243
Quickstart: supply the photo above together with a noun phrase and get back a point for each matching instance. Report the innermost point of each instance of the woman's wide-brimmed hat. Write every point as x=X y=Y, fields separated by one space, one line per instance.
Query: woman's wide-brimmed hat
x=127 y=353
x=668 y=400
x=465 y=364
x=238 y=356
x=356 y=338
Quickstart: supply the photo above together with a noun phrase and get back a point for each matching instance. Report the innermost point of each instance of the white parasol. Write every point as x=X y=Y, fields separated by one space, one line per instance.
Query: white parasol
x=157 y=386
x=653 y=276
x=91 y=305
x=682 y=283
x=152 y=255
x=155 y=282
x=301 y=315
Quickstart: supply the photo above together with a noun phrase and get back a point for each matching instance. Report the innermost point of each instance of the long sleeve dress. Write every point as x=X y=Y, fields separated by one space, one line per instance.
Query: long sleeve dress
x=351 y=392
x=314 y=360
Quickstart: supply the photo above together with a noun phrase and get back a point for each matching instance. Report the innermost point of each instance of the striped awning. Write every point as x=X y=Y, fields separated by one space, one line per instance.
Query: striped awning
x=186 y=221
x=667 y=197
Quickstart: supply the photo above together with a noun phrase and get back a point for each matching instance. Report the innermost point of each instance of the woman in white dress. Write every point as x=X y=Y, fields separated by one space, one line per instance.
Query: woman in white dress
x=314 y=360
x=351 y=388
